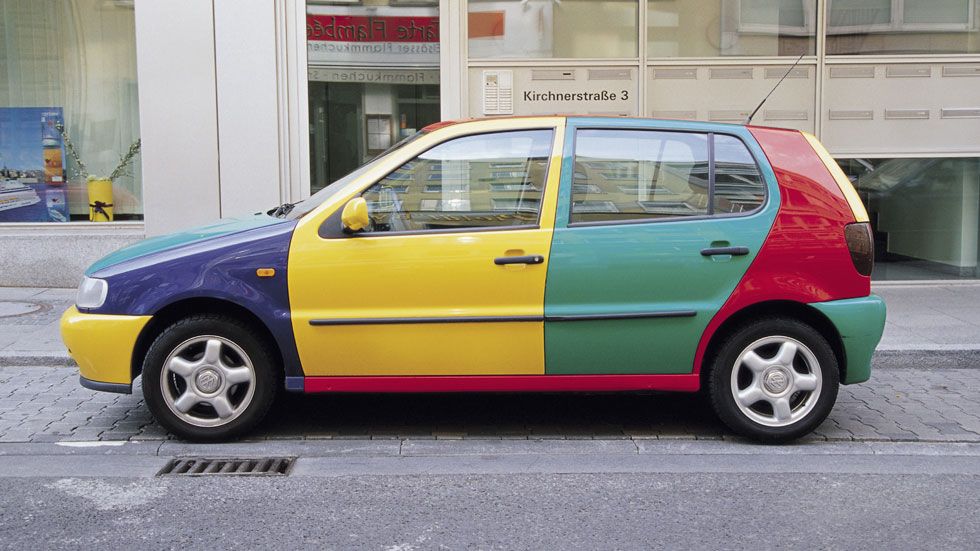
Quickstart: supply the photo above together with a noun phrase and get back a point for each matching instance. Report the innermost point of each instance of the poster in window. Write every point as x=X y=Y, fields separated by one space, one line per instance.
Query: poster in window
x=32 y=167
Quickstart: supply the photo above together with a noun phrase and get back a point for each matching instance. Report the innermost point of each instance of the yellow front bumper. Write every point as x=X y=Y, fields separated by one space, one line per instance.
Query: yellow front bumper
x=102 y=345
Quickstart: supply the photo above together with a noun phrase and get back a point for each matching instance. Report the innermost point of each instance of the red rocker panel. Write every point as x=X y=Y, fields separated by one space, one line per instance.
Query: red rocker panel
x=503 y=383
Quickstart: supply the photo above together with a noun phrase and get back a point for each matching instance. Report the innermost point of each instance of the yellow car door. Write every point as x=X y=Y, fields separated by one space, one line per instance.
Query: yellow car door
x=448 y=278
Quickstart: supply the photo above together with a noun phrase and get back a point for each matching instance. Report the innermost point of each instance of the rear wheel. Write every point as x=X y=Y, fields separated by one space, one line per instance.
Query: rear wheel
x=774 y=380
x=209 y=378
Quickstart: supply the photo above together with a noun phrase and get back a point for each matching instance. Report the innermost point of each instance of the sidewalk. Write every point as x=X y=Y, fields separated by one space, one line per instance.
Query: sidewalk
x=29 y=333
x=915 y=405
x=934 y=324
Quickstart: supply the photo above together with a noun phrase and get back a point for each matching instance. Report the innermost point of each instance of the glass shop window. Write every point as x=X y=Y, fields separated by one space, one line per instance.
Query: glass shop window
x=681 y=28
x=69 y=112
x=542 y=29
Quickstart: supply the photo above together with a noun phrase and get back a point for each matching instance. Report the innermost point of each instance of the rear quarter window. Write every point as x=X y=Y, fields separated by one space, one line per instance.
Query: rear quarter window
x=738 y=183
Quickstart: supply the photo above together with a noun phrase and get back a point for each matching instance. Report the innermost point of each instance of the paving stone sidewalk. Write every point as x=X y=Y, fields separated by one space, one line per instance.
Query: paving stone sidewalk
x=29 y=332
x=914 y=405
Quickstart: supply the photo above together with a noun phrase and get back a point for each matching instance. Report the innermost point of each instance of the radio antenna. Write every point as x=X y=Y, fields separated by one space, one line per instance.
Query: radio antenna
x=761 y=103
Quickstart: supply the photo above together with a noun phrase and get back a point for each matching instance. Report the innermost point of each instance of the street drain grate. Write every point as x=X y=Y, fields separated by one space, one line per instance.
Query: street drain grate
x=211 y=466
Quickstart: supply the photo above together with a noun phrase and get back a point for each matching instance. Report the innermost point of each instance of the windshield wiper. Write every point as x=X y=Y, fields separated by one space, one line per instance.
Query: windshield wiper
x=282 y=210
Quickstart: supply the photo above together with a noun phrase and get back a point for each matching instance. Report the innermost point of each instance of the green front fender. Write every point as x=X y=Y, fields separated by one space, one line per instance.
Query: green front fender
x=860 y=322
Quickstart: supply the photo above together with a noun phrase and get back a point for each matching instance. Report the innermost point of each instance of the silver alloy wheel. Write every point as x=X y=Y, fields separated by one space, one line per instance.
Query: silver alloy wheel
x=776 y=381
x=207 y=381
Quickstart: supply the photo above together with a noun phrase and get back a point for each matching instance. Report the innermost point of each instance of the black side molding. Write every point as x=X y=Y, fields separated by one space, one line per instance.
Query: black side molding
x=734 y=251
x=405 y=321
x=119 y=388
x=627 y=316
x=499 y=319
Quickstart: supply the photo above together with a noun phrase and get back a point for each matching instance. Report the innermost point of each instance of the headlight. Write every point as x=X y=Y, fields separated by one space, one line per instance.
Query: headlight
x=91 y=293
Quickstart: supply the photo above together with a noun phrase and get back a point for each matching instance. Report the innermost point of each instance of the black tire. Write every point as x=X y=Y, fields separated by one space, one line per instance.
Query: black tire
x=265 y=377
x=754 y=421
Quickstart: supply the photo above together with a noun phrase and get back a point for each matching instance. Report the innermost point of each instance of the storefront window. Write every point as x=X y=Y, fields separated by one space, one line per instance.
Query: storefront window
x=547 y=29
x=879 y=27
x=924 y=212
x=68 y=111
x=374 y=79
x=679 y=28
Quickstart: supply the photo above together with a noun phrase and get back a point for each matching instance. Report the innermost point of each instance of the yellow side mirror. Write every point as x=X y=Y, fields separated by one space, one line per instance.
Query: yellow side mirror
x=355 y=215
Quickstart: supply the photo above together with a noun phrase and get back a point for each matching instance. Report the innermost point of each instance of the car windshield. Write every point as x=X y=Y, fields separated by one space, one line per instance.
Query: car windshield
x=306 y=206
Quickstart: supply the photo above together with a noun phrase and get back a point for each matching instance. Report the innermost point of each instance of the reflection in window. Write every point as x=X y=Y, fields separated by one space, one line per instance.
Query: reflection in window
x=373 y=70
x=924 y=212
x=639 y=174
x=487 y=180
x=784 y=13
x=516 y=205
x=859 y=14
x=591 y=206
x=738 y=184
x=549 y=29
x=874 y=27
x=521 y=186
x=679 y=28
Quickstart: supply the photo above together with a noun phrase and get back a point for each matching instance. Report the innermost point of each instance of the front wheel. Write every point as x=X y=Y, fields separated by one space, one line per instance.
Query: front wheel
x=774 y=380
x=209 y=378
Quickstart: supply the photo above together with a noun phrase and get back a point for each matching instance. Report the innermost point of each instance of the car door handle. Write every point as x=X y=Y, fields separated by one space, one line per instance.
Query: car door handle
x=529 y=259
x=734 y=251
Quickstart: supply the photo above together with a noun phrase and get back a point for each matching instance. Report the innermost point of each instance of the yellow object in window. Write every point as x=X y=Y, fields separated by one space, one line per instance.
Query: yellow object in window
x=100 y=200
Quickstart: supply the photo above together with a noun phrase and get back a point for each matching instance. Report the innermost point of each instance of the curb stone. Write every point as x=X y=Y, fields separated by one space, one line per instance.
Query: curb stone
x=8 y=359
x=927 y=358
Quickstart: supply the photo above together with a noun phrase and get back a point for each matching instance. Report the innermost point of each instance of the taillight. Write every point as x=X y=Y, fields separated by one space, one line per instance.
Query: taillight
x=861 y=245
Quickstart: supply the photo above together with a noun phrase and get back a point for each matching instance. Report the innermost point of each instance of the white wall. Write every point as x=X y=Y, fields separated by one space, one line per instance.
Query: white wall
x=209 y=110
x=248 y=103
x=452 y=60
x=178 y=113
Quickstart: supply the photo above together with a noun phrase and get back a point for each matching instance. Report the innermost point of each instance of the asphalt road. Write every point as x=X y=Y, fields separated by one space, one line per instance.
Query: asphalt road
x=503 y=494
x=515 y=511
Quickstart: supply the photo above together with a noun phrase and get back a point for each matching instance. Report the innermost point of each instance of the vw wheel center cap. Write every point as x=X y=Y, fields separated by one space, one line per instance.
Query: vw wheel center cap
x=208 y=381
x=776 y=381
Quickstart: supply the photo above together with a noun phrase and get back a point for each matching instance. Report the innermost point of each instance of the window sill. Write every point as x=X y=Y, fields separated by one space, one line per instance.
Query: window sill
x=73 y=228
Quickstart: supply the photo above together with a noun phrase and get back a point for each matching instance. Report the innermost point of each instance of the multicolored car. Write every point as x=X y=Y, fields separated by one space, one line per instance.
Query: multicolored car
x=540 y=254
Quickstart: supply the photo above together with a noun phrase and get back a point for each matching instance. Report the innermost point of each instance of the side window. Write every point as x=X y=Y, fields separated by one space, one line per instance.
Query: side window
x=486 y=180
x=738 y=183
x=639 y=174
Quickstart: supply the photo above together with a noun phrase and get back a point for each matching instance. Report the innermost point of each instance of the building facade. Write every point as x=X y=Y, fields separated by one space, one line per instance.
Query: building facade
x=244 y=104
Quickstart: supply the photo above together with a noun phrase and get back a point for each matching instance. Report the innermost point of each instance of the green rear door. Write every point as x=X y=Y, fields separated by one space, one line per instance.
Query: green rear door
x=655 y=227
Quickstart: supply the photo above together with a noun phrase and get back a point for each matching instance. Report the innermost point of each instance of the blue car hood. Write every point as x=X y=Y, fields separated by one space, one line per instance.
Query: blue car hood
x=221 y=228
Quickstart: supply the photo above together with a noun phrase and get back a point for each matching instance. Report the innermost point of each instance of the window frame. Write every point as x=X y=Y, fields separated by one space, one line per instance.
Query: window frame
x=866 y=29
x=636 y=56
x=897 y=23
x=808 y=29
x=330 y=228
x=711 y=180
x=967 y=27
